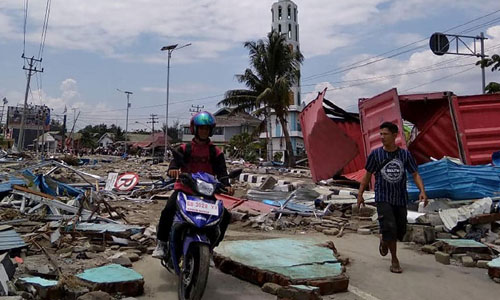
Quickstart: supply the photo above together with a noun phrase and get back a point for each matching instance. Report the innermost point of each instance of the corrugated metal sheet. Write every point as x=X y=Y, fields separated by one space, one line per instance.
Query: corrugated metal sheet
x=446 y=179
x=10 y=239
x=375 y=111
x=436 y=139
x=478 y=122
x=329 y=148
x=353 y=130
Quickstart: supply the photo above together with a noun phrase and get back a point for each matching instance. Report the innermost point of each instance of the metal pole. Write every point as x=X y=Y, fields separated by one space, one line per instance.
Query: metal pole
x=20 y=138
x=126 y=125
x=481 y=35
x=166 y=111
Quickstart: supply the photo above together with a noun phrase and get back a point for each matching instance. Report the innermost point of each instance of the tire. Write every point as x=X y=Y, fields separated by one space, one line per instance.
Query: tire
x=196 y=264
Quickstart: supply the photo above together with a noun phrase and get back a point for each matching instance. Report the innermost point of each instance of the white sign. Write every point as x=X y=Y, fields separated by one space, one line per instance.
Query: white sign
x=110 y=182
x=126 y=181
x=202 y=207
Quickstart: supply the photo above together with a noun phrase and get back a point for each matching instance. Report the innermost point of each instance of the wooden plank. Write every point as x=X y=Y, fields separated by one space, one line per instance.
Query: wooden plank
x=484 y=219
x=27 y=190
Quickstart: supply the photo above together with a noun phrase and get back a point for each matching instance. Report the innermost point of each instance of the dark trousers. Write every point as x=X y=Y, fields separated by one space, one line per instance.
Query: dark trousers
x=392 y=221
x=167 y=219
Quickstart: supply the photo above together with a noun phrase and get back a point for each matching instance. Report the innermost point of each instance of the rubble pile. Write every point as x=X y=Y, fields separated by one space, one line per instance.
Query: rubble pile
x=60 y=239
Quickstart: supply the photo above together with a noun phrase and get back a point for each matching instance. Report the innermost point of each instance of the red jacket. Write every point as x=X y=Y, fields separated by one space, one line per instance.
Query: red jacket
x=200 y=161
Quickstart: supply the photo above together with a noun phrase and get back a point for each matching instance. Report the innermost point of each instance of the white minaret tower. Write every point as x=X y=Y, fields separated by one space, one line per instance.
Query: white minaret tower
x=285 y=21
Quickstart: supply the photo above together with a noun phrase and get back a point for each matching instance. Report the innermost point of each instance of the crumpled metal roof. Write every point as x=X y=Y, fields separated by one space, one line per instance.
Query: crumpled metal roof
x=10 y=239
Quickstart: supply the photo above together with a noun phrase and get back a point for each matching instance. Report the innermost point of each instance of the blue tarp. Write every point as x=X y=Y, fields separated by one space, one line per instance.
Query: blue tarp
x=446 y=179
x=51 y=186
x=6 y=183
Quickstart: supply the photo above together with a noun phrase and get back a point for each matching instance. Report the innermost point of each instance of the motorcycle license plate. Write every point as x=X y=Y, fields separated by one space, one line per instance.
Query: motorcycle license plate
x=202 y=207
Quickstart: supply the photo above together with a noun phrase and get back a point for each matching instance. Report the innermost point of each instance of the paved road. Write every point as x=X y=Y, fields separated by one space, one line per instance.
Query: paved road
x=370 y=278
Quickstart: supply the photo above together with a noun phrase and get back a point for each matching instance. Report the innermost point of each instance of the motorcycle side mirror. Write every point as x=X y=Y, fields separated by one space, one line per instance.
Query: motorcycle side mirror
x=235 y=173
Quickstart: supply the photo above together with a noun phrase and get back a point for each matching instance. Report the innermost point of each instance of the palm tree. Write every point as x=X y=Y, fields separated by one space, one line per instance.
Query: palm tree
x=274 y=69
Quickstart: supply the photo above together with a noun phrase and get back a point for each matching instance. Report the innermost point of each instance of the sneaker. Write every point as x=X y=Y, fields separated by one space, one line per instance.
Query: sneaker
x=159 y=251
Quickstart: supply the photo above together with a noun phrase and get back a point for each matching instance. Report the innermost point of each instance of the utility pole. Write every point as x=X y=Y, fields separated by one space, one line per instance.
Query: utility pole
x=31 y=71
x=126 y=120
x=1 y=116
x=153 y=121
x=196 y=109
x=75 y=117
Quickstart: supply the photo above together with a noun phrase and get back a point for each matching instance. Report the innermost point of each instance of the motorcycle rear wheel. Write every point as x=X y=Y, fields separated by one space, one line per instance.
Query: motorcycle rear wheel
x=194 y=273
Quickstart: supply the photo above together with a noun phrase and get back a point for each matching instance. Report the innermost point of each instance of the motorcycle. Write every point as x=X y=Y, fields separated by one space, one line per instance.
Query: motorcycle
x=195 y=232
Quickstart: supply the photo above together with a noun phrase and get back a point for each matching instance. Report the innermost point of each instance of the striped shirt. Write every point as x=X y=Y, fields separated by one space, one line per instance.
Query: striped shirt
x=390 y=180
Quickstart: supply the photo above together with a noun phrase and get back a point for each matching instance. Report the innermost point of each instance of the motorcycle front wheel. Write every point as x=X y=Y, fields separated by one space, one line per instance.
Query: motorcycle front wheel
x=194 y=272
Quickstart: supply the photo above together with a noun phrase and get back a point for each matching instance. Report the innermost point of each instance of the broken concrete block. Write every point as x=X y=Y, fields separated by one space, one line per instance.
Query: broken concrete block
x=97 y=248
x=122 y=260
x=429 y=249
x=332 y=231
x=45 y=289
x=114 y=279
x=320 y=228
x=96 y=295
x=483 y=264
x=271 y=288
x=420 y=234
x=269 y=183
x=443 y=235
x=132 y=256
x=442 y=257
x=298 y=292
x=461 y=233
x=468 y=262
x=494 y=269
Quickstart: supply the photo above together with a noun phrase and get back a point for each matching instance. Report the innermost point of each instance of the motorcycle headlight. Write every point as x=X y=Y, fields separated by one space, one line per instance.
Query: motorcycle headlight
x=205 y=188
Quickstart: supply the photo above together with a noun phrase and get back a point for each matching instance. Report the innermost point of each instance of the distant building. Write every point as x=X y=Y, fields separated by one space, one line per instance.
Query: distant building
x=228 y=125
x=284 y=14
x=106 y=140
x=37 y=121
x=48 y=142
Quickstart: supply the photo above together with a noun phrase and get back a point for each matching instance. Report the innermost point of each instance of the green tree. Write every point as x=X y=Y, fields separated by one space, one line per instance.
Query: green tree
x=494 y=63
x=245 y=146
x=274 y=69
x=173 y=131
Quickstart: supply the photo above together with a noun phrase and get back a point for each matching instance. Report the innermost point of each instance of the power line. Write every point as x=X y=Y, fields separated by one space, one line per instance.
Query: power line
x=44 y=28
x=381 y=57
x=411 y=72
x=439 y=79
x=26 y=3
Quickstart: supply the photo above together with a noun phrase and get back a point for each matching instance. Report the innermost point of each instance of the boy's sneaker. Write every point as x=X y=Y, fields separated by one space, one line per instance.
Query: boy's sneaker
x=160 y=250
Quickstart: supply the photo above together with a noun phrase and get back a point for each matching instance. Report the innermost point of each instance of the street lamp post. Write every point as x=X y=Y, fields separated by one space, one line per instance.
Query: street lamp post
x=169 y=49
x=3 y=112
x=126 y=121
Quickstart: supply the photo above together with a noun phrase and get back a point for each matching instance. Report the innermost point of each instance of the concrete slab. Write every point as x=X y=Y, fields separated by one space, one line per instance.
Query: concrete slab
x=46 y=289
x=114 y=278
x=283 y=261
x=453 y=246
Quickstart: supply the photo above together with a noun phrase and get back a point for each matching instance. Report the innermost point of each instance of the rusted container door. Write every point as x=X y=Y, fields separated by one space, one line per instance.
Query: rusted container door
x=375 y=111
x=478 y=125
x=328 y=147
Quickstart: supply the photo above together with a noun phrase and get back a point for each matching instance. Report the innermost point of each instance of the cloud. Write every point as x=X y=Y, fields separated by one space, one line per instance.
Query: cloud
x=213 y=26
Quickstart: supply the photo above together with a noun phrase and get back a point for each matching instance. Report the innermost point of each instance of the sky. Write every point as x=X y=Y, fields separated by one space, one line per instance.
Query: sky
x=355 y=48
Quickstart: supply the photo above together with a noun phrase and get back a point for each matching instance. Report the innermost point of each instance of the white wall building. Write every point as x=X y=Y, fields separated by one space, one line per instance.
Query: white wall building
x=284 y=14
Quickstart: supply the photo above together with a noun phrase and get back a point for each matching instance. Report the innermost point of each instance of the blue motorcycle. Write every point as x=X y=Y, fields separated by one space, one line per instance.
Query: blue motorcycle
x=195 y=232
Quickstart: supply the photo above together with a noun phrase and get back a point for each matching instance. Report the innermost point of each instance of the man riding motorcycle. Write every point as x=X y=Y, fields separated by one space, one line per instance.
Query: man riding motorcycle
x=200 y=155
